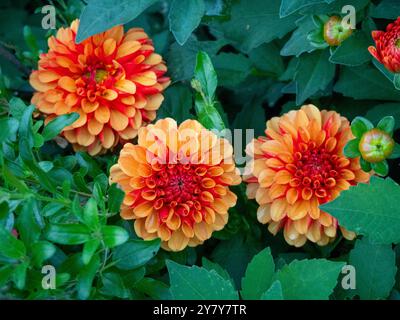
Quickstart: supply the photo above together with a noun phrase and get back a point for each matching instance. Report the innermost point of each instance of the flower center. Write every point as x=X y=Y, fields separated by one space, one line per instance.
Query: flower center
x=316 y=170
x=178 y=182
x=397 y=43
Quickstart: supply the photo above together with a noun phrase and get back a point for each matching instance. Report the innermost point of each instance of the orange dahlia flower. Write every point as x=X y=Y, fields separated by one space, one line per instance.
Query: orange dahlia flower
x=298 y=166
x=387 y=46
x=113 y=80
x=176 y=182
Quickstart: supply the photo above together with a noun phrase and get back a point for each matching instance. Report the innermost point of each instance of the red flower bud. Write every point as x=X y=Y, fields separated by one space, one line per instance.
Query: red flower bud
x=376 y=145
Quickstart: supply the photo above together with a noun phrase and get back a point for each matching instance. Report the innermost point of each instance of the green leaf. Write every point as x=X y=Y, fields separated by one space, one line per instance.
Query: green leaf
x=266 y=58
x=386 y=9
x=195 y=283
x=154 y=289
x=89 y=249
x=366 y=166
x=314 y=72
x=67 y=233
x=113 y=285
x=312 y=279
x=381 y=168
x=115 y=197
x=204 y=72
x=396 y=152
x=86 y=277
x=208 y=115
x=381 y=110
x=182 y=59
x=298 y=42
x=274 y=292
x=375 y=267
x=387 y=124
x=396 y=81
x=25 y=128
x=11 y=247
x=365 y=82
x=360 y=125
x=135 y=253
x=101 y=15
x=184 y=18
x=289 y=6
x=231 y=68
x=209 y=265
x=17 y=107
x=91 y=214
x=253 y=22
x=42 y=251
x=5 y=274
x=177 y=104
x=259 y=275
x=114 y=236
x=30 y=222
x=353 y=51
x=19 y=276
x=9 y=128
x=351 y=149
x=356 y=214
x=54 y=127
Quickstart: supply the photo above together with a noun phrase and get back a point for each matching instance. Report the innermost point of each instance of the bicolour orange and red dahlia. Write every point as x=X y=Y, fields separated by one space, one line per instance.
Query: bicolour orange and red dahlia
x=176 y=182
x=298 y=166
x=387 y=50
x=113 y=80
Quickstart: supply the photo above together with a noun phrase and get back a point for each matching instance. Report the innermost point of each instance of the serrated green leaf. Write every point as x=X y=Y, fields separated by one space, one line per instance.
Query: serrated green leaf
x=312 y=279
x=259 y=275
x=314 y=72
x=274 y=292
x=375 y=267
x=101 y=15
x=205 y=73
x=195 y=283
x=365 y=82
x=353 y=51
x=298 y=42
x=184 y=18
x=356 y=213
x=253 y=22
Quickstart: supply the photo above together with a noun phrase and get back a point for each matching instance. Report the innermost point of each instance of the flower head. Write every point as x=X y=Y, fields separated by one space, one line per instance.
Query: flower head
x=387 y=50
x=112 y=80
x=298 y=166
x=335 y=32
x=376 y=145
x=176 y=182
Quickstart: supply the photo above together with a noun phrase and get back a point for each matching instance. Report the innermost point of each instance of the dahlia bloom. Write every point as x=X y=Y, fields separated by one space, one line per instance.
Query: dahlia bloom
x=112 y=80
x=387 y=50
x=298 y=166
x=176 y=182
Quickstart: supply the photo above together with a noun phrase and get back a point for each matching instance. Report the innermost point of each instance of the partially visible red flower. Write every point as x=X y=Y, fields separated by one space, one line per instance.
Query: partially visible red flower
x=387 y=50
x=113 y=80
